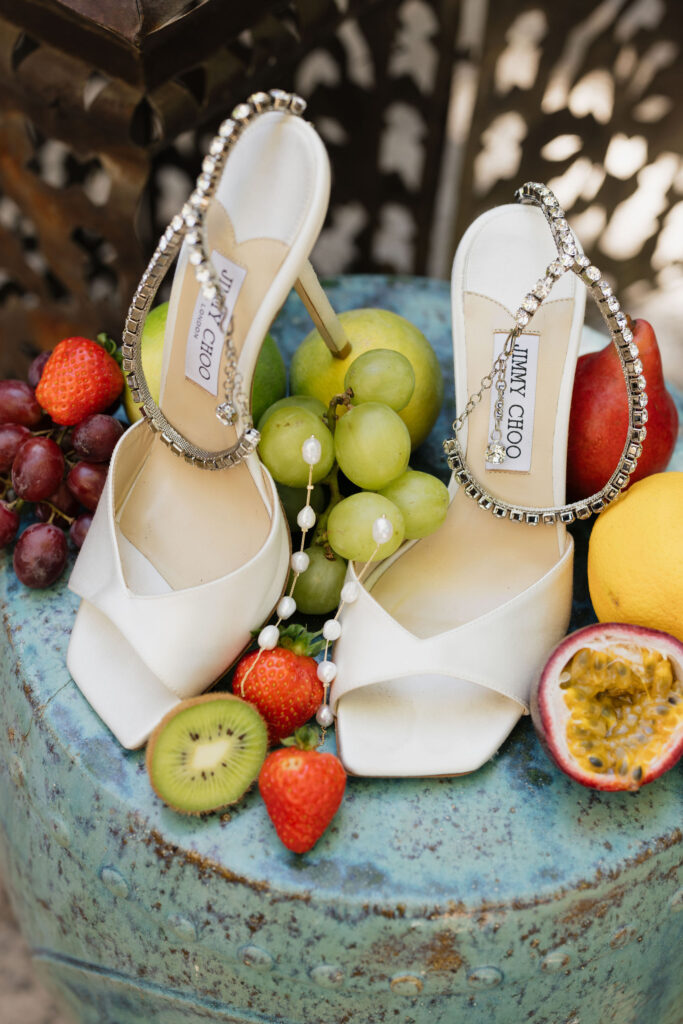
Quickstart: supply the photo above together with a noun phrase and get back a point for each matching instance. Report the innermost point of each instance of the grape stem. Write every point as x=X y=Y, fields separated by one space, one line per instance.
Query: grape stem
x=332 y=478
x=320 y=535
x=54 y=512
x=337 y=400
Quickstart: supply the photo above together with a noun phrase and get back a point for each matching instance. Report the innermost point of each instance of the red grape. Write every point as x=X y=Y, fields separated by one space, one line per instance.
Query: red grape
x=35 y=370
x=62 y=499
x=95 y=437
x=11 y=436
x=86 y=481
x=18 y=404
x=79 y=528
x=9 y=524
x=38 y=469
x=40 y=555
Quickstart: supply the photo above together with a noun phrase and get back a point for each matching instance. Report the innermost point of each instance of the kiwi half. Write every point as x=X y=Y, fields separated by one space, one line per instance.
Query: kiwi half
x=206 y=753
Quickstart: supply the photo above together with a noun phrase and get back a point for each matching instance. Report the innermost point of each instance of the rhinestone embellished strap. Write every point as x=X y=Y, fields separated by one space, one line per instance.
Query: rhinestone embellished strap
x=190 y=224
x=570 y=257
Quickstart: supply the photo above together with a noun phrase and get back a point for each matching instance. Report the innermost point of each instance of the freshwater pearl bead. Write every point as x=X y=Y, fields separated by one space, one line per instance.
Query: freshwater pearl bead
x=286 y=607
x=332 y=629
x=327 y=670
x=349 y=592
x=324 y=716
x=311 y=451
x=382 y=530
x=306 y=518
x=300 y=561
x=268 y=638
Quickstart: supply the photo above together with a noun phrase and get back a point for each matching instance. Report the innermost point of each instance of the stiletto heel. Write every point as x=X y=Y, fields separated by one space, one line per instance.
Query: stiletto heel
x=427 y=683
x=181 y=564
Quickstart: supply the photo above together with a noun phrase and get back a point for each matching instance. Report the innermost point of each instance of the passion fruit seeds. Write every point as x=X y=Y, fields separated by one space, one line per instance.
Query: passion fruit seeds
x=624 y=704
x=609 y=705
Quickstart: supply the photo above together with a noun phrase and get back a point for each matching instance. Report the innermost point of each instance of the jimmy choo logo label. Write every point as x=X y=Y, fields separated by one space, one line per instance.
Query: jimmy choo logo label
x=205 y=340
x=520 y=399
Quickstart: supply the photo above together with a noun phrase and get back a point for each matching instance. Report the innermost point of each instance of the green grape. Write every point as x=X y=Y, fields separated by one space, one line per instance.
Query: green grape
x=317 y=590
x=422 y=499
x=349 y=528
x=372 y=444
x=300 y=401
x=280 y=445
x=381 y=375
x=294 y=498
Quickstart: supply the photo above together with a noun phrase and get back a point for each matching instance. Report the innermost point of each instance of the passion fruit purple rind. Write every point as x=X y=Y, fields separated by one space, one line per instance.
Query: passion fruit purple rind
x=608 y=708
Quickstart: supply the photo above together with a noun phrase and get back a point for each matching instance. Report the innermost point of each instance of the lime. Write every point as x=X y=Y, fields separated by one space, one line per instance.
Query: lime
x=270 y=376
x=152 y=358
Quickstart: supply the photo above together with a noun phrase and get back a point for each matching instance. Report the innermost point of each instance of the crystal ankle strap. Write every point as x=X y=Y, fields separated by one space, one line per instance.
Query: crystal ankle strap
x=190 y=224
x=570 y=257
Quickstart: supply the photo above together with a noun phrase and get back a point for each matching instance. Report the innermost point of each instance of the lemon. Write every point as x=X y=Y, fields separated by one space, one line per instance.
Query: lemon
x=270 y=375
x=635 y=556
x=315 y=371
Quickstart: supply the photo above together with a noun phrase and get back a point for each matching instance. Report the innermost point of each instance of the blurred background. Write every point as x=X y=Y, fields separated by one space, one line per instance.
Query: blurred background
x=432 y=111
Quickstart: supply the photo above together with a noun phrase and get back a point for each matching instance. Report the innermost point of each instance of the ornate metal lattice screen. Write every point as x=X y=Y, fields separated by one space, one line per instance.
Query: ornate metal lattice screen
x=432 y=110
x=585 y=97
x=93 y=167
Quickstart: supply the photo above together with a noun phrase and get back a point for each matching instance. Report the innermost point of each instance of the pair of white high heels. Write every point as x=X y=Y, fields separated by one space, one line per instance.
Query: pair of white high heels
x=189 y=550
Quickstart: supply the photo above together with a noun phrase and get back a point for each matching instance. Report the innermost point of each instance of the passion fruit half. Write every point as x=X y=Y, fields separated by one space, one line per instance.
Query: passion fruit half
x=609 y=705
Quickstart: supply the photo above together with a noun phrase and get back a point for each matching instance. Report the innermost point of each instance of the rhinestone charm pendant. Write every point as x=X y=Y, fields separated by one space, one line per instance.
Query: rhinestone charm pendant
x=495 y=453
x=226 y=413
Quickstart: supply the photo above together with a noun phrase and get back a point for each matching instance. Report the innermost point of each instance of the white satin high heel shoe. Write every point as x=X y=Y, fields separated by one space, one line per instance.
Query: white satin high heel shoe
x=189 y=549
x=439 y=650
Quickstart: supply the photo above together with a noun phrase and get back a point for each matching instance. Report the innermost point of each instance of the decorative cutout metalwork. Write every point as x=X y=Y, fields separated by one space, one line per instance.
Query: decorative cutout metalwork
x=584 y=98
x=95 y=166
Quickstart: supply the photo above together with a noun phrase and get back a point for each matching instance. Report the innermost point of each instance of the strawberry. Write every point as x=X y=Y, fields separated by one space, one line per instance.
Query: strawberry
x=79 y=378
x=283 y=683
x=302 y=790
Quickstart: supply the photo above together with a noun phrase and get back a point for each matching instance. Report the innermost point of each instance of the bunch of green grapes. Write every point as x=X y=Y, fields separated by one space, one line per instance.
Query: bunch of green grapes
x=362 y=435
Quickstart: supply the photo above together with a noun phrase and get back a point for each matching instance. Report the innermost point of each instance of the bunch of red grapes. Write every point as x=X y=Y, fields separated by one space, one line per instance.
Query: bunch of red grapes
x=55 y=472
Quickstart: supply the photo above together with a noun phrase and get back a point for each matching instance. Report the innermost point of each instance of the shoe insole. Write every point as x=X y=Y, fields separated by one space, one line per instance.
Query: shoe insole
x=197 y=525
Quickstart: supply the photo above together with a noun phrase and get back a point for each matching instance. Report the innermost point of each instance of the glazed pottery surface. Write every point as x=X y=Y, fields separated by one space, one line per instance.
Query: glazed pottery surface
x=508 y=895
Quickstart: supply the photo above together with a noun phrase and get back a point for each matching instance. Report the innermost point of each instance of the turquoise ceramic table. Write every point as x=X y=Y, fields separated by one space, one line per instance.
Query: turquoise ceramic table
x=506 y=896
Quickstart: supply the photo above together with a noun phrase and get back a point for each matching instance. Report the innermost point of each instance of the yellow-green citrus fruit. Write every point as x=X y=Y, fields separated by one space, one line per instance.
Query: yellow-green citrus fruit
x=270 y=378
x=270 y=375
x=152 y=344
x=315 y=371
x=635 y=556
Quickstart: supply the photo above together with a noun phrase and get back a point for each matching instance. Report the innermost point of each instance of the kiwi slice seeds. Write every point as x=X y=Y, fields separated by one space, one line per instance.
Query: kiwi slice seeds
x=205 y=754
